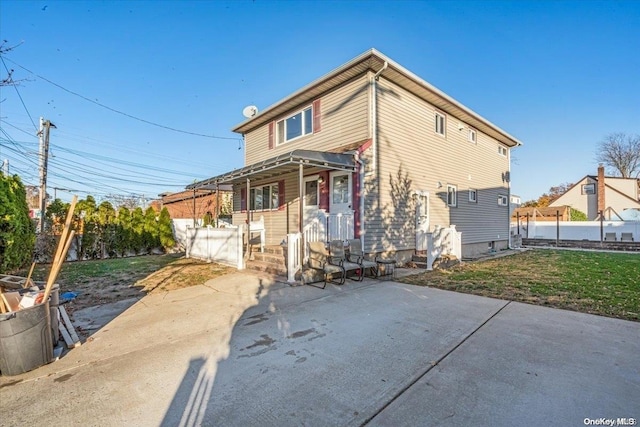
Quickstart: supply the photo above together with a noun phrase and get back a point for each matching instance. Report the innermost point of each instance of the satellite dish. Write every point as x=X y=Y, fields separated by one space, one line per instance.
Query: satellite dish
x=250 y=111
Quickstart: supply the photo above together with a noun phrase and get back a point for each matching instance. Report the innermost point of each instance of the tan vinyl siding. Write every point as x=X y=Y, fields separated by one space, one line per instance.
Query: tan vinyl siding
x=278 y=223
x=345 y=120
x=408 y=145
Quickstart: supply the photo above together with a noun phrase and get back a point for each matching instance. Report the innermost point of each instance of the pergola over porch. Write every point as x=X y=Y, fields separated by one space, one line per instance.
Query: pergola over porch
x=297 y=160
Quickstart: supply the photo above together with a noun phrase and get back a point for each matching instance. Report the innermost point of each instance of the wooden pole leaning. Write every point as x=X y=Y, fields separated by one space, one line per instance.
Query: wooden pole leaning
x=55 y=269
x=61 y=251
x=28 y=283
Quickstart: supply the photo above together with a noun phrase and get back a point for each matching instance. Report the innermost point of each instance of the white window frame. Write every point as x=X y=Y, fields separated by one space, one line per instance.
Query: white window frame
x=440 y=124
x=473 y=195
x=589 y=185
x=281 y=134
x=503 y=200
x=452 y=190
x=271 y=194
x=472 y=136
x=502 y=150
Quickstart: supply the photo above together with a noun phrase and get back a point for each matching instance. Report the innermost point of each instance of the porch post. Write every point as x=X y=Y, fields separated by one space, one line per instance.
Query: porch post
x=217 y=204
x=301 y=209
x=248 y=202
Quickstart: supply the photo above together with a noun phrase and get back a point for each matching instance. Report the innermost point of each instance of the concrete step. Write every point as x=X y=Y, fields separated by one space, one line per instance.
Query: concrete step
x=269 y=257
x=266 y=267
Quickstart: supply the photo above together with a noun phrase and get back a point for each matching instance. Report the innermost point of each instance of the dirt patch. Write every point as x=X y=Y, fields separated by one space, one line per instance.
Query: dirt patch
x=112 y=280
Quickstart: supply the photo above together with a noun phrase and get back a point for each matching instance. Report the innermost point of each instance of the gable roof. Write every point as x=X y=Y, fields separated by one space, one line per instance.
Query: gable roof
x=374 y=61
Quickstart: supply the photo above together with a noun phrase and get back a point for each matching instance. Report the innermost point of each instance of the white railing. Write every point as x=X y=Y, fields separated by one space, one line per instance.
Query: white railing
x=294 y=263
x=443 y=241
x=576 y=230
x=339 y=226
x=221 y=245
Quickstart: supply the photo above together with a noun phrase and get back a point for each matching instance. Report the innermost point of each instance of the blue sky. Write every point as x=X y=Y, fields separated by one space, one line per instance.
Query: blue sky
x=559 y=76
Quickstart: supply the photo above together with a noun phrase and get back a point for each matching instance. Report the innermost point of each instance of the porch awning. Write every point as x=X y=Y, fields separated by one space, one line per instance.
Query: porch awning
x=280 y=165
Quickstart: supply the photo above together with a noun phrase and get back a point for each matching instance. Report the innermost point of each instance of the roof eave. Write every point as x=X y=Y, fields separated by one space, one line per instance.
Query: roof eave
x=447 y=102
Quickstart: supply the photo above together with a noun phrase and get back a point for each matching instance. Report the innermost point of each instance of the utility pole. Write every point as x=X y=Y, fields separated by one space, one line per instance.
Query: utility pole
x=5 y=167
x=43 y=134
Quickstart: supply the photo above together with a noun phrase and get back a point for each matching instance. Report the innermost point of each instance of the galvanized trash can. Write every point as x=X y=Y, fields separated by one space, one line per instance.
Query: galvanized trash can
x=25 y=339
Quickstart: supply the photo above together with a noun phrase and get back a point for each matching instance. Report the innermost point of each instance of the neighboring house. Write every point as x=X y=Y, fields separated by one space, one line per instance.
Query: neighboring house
x=600 y=193
x=196 y=204
x=373 y=151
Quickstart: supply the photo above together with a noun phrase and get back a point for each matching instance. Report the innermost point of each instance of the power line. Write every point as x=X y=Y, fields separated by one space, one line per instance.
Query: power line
x=121 y=112
x=15 y=86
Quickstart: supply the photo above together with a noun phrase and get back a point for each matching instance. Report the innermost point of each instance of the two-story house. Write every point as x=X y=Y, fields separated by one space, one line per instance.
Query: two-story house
x=372 y=151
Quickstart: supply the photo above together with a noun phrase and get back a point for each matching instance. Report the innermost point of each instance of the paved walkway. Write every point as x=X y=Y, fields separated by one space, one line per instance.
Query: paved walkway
x=244 y=350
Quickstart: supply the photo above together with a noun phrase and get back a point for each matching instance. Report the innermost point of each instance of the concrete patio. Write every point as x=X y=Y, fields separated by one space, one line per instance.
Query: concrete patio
x=245 y=350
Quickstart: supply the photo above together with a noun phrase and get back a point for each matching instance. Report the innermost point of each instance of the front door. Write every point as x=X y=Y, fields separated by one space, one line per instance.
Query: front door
x=422 y=220
x=340 y=222
x=314 y=222
x=340 y=193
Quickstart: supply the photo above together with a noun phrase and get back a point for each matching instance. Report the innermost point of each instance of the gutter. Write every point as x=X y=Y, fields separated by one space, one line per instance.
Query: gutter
x=374 y=116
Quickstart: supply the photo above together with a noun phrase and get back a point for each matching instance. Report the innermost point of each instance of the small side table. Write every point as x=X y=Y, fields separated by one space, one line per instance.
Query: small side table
x=386 y=267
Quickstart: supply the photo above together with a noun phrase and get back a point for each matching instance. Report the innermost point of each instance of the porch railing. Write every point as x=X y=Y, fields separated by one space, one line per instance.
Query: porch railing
x=329 y=226
x=294 y=263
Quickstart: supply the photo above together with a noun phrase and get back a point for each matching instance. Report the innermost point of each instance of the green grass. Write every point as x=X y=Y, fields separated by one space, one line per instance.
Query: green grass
x=81 y=271
x=601 y=283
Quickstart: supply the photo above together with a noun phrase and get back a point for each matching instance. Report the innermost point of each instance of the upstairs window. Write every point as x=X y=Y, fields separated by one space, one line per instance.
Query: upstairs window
x=472 y=136
x=295 y=126
x=502 y=150
x=440 y=123
x=452 y=195
x=588 y=188
x=473 y=195
x=503 y=200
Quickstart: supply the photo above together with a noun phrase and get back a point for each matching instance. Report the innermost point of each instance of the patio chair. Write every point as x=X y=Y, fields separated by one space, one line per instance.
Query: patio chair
x=626 y=237
x=338 y=256
x=609 y=237
x=319 y=261
x=357 y=255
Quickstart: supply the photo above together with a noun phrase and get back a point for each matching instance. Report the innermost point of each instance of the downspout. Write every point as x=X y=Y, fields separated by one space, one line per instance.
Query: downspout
x=509 y=243
x=374 y=116
x=361 y=198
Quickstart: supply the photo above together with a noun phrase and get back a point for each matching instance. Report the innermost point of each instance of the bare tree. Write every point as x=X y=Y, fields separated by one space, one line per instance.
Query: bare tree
x=621 y=152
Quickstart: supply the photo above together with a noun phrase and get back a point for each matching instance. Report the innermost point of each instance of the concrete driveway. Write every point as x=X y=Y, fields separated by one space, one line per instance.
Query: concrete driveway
x=244 y=350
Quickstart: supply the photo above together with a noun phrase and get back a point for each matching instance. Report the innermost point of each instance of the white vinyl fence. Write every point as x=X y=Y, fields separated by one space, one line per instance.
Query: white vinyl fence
x=443 y=241
x=576 y=230
x=180 y=226
x=221 y=245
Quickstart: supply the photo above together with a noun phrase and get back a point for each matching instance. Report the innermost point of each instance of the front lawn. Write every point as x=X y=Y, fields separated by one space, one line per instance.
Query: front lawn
x=602 y=283
x=104 y=281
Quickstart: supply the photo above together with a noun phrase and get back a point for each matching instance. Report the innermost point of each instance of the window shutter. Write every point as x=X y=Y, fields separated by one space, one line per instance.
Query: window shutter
x=317 y=126
x=281 y=203
x=323 y=203
x=271 y=135
x=243 y=199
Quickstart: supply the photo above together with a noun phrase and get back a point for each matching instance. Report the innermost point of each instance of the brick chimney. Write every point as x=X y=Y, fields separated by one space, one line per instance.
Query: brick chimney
x=601 y=201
